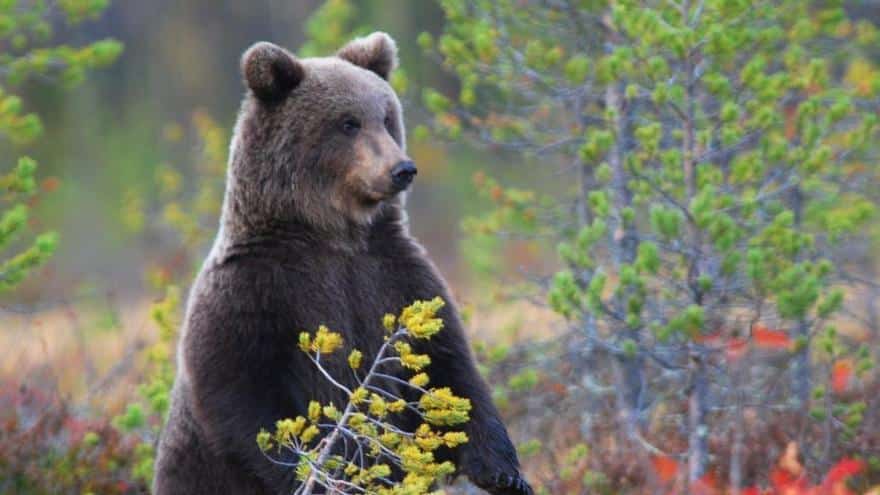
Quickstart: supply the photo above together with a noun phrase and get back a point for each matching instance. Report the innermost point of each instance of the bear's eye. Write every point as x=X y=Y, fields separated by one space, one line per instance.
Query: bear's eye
x=351 y=126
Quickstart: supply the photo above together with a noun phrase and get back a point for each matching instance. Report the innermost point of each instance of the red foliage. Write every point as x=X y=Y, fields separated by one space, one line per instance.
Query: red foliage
x=768 y=338
x=44 y=447
x=755 y=441
x=841 y=373
x=735 y=347
x=788 y=477
x=666 y=468
x=707 y=485
x=784 y=482
x=835 y=479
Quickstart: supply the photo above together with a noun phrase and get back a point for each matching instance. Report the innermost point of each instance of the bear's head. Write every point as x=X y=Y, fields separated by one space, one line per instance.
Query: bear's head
x=318 y=141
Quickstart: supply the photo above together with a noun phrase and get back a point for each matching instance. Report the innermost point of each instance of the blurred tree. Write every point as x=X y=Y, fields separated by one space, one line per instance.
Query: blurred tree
x=328 y=28
x=718 y=167
x=186 y=211
x=25 y=31
x=332 y=25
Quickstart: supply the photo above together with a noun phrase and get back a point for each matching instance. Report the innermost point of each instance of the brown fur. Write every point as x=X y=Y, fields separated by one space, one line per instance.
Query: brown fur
x=313 y=232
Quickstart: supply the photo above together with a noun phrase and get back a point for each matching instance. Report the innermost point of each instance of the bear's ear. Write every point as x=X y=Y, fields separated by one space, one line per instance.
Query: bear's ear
x=270 y=71
x=376 y=52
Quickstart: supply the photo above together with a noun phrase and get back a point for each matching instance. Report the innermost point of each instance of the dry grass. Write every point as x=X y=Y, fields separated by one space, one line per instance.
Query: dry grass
x=79 y=351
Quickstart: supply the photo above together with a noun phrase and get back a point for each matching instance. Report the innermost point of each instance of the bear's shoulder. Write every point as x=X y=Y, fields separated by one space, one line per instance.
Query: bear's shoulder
x=300 y=290
x=239 y=313
x=238 y=287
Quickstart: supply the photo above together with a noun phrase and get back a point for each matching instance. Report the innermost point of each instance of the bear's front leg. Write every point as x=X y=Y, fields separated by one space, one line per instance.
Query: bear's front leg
x=236 y=364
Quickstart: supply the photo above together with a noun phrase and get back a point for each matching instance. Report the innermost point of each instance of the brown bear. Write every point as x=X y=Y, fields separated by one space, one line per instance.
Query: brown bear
x=313 y=232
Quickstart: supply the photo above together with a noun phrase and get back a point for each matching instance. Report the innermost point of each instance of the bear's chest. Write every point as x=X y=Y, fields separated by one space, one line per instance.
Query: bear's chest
x=342 y=293
x=348 y=296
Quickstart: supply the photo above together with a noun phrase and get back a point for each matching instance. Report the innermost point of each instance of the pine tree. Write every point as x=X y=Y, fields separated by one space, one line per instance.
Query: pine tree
x=718 y=165
x=25 y=32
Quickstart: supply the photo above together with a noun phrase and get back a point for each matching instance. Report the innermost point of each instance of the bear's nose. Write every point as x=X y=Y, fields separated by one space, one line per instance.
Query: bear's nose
x=402 y=174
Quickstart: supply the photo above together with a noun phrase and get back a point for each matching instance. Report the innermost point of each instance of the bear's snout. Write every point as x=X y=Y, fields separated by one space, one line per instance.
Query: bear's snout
x=402 y=175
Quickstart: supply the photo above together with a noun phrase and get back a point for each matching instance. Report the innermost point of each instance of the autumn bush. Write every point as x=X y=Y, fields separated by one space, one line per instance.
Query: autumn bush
x=48 y=446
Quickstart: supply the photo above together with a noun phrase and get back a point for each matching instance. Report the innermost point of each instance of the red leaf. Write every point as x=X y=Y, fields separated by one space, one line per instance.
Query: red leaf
x=665 y=467
x=782 y=480
x=843 y=470
x=788 y=477
x=786 y=483
x=770 y=339
x=840 y=375
x=707 y=485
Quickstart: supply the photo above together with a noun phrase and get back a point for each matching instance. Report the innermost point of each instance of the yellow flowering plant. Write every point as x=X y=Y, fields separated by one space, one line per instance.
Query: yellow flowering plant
x=379 y=456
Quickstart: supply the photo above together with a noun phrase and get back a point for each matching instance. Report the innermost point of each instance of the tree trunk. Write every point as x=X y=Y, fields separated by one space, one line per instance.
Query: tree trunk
x=697 y=451
x=625 y=244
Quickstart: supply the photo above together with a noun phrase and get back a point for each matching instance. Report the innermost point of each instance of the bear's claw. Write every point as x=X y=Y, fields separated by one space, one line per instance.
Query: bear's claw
x=507 y=484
